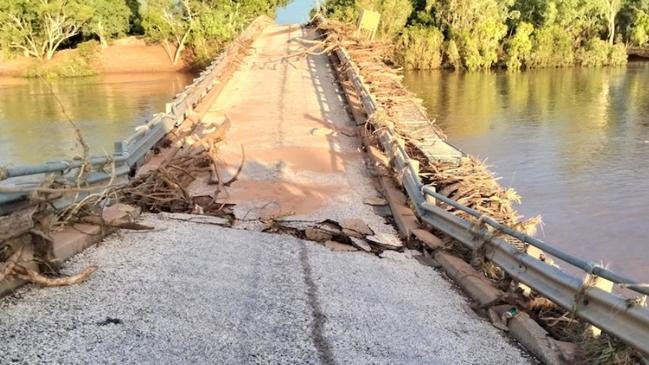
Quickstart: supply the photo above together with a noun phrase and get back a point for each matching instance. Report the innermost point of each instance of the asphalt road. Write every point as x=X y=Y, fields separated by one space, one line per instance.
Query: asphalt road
x=191 y=293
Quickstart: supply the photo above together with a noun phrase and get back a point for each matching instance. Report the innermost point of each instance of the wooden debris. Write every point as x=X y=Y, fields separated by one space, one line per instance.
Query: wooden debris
x=16 y=223
x=10 y=264
x=32 y=276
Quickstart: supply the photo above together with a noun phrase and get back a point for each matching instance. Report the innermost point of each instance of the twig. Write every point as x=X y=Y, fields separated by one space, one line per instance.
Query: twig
x=236 y=175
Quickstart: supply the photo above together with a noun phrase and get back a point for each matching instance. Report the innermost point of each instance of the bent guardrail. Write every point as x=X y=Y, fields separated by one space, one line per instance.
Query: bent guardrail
x=130 y=152
x=609 y=311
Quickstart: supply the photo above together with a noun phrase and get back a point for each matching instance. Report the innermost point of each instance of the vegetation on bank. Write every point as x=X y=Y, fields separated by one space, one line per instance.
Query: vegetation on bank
x=482 y=34
x=198 y=29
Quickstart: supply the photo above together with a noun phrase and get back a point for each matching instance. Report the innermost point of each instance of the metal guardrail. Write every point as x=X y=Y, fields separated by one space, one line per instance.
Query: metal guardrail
x=130 y=152
x=609 y=311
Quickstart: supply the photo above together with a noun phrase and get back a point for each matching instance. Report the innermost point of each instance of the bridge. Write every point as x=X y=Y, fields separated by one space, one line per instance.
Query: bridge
x=290 y=224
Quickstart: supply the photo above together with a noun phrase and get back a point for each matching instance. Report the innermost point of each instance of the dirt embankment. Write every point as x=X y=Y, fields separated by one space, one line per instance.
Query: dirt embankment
x=123 y=56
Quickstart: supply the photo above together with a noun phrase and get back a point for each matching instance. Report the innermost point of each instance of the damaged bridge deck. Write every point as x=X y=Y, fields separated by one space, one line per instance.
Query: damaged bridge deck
x=191 y=291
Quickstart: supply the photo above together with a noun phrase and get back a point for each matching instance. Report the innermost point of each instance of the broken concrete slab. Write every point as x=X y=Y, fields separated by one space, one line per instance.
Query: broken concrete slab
x=361 y=244
x=385 y=241
x=318 y=235
x=536 y=339
x=338 y=246
x=355 y=225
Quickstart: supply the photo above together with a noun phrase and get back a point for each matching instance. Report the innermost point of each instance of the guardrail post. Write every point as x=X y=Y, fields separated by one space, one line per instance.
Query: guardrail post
x=537 y=254
x=429 y=198
x=168 y=108
x=121 y=148
x=606 y=286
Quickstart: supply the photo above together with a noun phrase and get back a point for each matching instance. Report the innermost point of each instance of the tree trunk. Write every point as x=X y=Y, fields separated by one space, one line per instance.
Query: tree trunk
x=611 y=29
x=167 y=48
x=49 y=54
x=178 y=53
x=181 y=45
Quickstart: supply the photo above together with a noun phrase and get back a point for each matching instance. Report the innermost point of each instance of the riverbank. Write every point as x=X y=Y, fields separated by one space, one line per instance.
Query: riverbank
x=127 y=55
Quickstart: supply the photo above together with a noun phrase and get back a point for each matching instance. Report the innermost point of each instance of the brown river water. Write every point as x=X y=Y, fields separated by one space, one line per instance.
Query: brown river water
x=573 y=142
x=34 y=129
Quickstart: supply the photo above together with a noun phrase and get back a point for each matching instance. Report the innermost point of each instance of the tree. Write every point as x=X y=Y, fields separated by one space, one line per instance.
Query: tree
x=110 y=20
x=39 y=27
x=633 y=21
x=610 y=9
x=420 y=48
x=476 y=26
x=169 y=22
x=519 y=46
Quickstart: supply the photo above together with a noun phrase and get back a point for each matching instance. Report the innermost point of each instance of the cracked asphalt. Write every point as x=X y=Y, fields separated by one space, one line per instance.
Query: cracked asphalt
x=202 y=294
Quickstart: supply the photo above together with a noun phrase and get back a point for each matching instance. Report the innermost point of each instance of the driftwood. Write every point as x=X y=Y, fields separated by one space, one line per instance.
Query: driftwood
x=34 y=277
x=15 y=224
x=10 y=264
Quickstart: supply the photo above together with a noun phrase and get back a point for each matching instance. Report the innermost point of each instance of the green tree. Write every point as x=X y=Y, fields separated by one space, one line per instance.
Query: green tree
x=477 y=27
x=519 y=46
x=610 y=8
x=633 y=21
x=420 y=48
x=39 y=27
x=169 y=22
x=110 y=20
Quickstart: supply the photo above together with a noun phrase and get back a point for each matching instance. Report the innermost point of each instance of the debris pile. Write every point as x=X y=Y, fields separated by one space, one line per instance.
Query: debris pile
x=470 y=183
x=191 y=156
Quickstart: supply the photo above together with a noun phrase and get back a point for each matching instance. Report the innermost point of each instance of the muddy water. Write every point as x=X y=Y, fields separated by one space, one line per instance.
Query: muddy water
x=33 y=126
x=573 y=142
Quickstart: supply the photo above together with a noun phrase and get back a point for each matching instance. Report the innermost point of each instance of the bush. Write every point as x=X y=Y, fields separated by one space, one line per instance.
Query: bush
x=594 y=53
x=618 y=55
x=73 y=66
x=453 y=55
x=420 y=48
x=89 y=50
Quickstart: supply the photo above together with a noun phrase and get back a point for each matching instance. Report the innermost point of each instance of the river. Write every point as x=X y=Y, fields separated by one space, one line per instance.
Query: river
x=573 y=142
x=34 y=127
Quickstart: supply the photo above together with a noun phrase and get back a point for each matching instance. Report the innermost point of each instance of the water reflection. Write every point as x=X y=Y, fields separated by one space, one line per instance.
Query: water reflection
x=573 y=142
x=33 y=126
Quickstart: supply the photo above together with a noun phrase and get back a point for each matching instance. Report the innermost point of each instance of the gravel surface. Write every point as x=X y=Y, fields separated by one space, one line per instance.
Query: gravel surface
x=202 y=294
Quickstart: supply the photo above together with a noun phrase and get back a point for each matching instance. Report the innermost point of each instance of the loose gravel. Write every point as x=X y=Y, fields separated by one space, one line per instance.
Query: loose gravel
x=202 y=294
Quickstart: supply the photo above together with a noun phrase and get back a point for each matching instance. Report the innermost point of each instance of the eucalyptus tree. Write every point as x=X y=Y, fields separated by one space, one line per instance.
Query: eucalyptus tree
x=111 y=19
x=169 y=22
x=39 y=27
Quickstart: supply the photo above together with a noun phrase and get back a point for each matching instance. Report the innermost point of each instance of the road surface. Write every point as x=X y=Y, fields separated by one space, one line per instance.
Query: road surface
x=192 y=293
